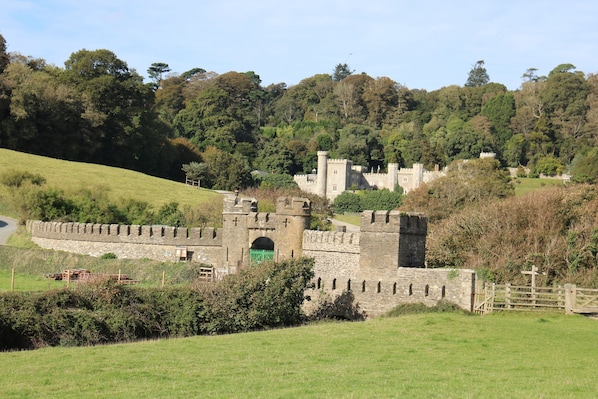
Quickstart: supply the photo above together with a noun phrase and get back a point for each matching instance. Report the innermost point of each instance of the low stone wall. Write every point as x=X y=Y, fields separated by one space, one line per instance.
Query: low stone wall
x=427 y=286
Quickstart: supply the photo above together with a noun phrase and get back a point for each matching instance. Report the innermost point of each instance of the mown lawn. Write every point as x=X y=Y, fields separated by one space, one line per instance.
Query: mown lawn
x=417 y=356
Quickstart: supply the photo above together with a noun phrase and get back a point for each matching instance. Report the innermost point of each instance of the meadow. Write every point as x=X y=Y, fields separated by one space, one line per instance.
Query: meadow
x=441 y=355
x=118 y=183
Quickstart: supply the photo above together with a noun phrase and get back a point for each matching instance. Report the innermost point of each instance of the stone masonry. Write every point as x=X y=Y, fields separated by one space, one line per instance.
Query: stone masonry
x=382 y=266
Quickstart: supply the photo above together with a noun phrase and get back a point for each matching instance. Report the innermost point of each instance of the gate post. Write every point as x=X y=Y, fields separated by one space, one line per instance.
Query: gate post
x=570 y=298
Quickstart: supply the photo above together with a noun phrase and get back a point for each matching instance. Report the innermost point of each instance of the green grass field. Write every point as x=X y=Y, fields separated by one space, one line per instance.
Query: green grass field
x=417 y=356
x=524 y=185
x=119 y=183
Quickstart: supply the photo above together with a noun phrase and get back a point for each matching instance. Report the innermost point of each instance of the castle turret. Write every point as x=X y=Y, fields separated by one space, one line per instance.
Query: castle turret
x=392 y=177
x=389 y=240
x=235 y=235
x=293 y=216
x=322 y=176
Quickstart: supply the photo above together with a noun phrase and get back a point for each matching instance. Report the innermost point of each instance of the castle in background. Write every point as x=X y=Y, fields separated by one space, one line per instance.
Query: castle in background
x=382 y=265
x=334 y=176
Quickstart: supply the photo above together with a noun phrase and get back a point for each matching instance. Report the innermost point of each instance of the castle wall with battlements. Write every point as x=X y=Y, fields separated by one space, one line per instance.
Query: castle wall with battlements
x=382 y=265
x=129 y=242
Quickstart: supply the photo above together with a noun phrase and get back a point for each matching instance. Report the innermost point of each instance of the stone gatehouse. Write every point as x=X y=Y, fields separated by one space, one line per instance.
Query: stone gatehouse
x=382 y=265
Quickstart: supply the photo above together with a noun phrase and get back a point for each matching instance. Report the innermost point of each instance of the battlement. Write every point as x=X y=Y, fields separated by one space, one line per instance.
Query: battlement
x=295 y=206
x=261 y=220
x=235 y=204
x=137 y=234
x=394 y=222
x=330 y=237
x=340 y=161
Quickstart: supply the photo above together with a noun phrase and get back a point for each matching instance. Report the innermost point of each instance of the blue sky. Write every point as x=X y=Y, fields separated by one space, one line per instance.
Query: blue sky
x=422 y=44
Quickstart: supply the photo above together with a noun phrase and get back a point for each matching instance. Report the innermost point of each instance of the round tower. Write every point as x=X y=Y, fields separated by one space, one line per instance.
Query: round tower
x=322 y=175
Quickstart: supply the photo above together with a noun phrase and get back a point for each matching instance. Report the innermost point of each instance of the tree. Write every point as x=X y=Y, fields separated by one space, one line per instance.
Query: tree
x=195 y=170
x=477 y=75
x=155 y=72
x=499 y=110
x=341 y=71
x=119 y=110
x=225 y=171
x=4 y=58
x=467 y=182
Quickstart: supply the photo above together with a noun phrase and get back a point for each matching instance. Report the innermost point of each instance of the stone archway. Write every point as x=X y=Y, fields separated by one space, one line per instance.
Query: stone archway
x=262 y=249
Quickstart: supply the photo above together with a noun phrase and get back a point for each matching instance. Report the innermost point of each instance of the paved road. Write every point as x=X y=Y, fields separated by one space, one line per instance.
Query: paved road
x=7 y=227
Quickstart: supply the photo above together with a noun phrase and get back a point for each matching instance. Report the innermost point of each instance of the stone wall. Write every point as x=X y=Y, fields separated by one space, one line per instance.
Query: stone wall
x=382 y=265
x=335 y=253
x=129 y=242
x=375 y=297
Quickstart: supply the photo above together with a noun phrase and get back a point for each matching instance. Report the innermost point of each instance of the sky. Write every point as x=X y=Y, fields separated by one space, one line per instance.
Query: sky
x=421 y=44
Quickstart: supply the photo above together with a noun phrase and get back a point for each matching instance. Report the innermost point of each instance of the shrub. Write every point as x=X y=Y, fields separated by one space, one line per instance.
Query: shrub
x=347 y=202
x=268 y=295
x=16 y=178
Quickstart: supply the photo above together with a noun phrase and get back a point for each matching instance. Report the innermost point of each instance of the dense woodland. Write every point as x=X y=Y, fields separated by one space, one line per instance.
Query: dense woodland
x=96 y=109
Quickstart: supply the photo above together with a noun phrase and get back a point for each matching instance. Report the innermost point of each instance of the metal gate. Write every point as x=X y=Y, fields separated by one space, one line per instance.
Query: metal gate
x=257 y=256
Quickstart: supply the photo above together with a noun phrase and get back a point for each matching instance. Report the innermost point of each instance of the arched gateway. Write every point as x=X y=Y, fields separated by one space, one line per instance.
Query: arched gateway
x=252 y=237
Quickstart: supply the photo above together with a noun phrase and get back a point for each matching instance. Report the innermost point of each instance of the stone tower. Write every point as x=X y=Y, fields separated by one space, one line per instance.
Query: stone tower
x=235 y=234
x=293 y=216
x=389 y=240
x=322 y=176
x=392 y=176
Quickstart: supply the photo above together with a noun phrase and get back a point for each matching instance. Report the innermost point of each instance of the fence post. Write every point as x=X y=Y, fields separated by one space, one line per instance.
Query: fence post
x=570 y=298
x=12 y=280
x=508 y=296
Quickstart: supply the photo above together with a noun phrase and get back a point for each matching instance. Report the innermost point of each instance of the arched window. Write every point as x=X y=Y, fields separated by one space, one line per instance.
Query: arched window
x=379 y=287
x=319 y=282
x=410 y=289
x=394 y=289
x=334 y=284
x=349 y=285
x=363 y=286
x=443 y=292
x=427 y=290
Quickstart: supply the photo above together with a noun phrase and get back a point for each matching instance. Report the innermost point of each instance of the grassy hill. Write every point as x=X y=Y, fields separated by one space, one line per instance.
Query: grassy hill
x=441 y=355
x=120 y=183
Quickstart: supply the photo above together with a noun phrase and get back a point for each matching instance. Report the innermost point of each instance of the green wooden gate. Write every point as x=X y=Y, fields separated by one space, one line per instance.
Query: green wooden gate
x=257 y=256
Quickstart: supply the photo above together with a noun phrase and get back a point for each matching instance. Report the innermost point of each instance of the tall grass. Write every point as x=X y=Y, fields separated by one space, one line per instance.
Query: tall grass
x=418 y=356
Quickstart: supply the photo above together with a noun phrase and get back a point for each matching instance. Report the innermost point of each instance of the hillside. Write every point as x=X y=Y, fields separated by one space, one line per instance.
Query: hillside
x=554 y=228
x=118 y=183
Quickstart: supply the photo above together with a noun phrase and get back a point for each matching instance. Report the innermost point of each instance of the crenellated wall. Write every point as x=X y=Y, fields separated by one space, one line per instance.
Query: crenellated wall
x=382 y=265
x=134 y=241
x=375 y=297
x=336 y=253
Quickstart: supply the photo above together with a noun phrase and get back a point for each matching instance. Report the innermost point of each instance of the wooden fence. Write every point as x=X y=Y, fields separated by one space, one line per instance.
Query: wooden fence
x=507 y=297
x=581 y=300
x=519 y=298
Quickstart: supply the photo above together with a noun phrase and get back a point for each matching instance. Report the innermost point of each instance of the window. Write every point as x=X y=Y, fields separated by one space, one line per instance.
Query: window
x=334 y=187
